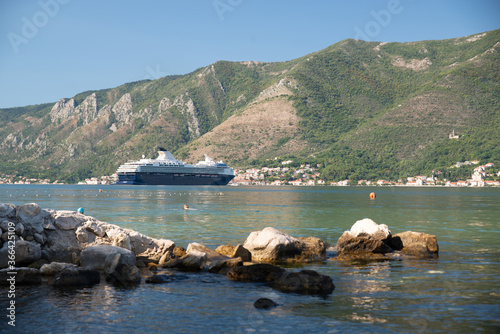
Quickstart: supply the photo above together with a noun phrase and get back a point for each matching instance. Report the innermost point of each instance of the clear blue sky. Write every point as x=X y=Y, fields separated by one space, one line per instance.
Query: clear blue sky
x=50 y=49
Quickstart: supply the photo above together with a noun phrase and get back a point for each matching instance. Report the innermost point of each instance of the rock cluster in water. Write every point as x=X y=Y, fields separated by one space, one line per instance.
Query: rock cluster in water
x=67 y=248
x=369 y=240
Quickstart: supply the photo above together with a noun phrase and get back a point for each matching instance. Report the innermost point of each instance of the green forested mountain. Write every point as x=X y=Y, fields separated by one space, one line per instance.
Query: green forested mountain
x=364 y=110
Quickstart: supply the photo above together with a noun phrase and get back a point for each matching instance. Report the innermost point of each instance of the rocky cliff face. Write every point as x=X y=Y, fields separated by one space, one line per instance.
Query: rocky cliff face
x=62 y=110
x=122 y=108
x=87 y=111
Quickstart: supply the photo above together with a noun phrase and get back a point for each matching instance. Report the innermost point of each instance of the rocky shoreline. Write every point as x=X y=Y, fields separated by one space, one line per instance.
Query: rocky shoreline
x=67 y=248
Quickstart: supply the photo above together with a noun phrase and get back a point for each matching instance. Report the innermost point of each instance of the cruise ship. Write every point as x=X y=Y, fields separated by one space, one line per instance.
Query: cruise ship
x=166 y=170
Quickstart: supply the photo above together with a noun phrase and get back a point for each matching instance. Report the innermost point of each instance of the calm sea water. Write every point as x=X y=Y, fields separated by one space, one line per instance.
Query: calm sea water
x=458 y=292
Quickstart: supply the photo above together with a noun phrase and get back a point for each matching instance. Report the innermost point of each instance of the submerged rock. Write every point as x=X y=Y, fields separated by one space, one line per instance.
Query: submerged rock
x=223 y=266
x=76 y=277
x=261 y=272
x=53 y=268
x=303 y=282
x=264 y=303
x=22 y=276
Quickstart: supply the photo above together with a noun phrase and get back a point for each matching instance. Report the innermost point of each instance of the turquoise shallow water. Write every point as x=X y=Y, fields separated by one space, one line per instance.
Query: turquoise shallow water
x=458 y=292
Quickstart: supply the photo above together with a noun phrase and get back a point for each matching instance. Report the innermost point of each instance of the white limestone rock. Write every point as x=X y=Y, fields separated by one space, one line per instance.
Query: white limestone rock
x=369 y=227
x=270 y=245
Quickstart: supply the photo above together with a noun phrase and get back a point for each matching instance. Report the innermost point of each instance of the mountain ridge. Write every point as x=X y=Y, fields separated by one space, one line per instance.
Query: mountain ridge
x=361 y=109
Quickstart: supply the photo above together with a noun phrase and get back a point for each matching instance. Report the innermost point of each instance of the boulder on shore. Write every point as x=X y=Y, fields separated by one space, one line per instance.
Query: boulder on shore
x=24 y=252
x=272 y=245
x=61 y=236
x=118 y=264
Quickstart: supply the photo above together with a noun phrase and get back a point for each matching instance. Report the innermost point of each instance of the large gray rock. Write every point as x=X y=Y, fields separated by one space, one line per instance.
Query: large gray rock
x=7 y=210
x=211 y=254
x=144 y=246
x=272 y=245
x=61 y=246
x=118 y=264
x=32 y=216
x=25 y=252
x=68 y=220
x=121 y=271
x=120 y=238
x=95 y=256
x=96 y=227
